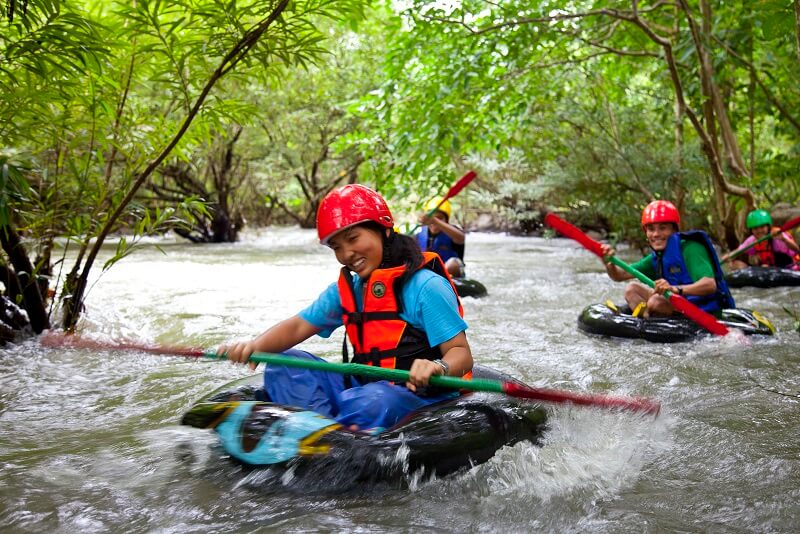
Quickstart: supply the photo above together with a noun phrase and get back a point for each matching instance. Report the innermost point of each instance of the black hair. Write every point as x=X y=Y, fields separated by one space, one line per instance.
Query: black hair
x=398 y=249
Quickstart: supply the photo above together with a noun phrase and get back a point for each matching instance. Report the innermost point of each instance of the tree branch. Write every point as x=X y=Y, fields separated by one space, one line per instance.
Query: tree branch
x=231 y=59
x=767 y=93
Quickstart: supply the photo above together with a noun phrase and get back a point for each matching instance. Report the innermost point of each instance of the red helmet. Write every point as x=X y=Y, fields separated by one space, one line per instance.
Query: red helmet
x=661 y=211
x=350 y=205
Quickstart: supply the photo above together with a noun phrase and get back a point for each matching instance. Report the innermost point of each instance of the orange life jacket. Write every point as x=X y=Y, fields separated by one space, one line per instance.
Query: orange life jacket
x=378 y=335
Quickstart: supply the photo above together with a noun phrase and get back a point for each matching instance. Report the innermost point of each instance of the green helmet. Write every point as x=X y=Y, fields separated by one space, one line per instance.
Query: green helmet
x=758 y=218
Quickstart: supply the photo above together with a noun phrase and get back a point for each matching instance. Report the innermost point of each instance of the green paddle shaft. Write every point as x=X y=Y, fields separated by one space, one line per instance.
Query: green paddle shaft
x=512 y=389
x=395 y=375
x=636 y=273
x=450 y=382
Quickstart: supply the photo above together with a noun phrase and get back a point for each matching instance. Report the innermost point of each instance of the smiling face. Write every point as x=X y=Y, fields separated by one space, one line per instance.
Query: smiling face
x=760 y=231
x=358 y=248
x=657 y=234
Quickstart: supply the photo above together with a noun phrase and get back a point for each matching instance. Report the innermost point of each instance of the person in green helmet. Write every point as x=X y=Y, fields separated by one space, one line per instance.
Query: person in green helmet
x=780 y=250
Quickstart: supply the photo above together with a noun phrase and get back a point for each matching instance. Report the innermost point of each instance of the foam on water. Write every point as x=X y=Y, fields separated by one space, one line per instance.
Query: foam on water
x=91 y=440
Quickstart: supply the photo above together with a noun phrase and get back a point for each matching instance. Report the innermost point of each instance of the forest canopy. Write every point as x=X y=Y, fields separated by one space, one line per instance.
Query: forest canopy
x=202 y=117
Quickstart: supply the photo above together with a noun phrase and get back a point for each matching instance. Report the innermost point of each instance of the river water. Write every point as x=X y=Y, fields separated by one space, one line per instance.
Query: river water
x=90 y=439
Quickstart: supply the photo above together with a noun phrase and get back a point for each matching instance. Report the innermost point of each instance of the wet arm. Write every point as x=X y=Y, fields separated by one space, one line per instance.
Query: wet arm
x=703 y=286
x=454 y=232
x=615 y=273
x=284 y=335
x=455 y=353
x=791 y=243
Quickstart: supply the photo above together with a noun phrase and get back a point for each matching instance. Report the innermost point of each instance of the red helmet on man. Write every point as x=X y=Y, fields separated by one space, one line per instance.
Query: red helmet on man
x=661 y=211
x=348 y=206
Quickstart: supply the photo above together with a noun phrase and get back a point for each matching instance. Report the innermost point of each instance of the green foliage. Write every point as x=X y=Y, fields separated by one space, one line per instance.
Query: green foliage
x=94 y=94
x=299 y=146
x=586 y=96
x=91 y=91
x=149 y=222
x=14 y=189
x=557 y=104
x=440 y=102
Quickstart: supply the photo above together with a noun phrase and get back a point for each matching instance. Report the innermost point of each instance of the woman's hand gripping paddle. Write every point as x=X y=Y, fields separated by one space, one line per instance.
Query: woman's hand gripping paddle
x=788 y=225
x=704 y=319
x=396 y=375
x=453 y=191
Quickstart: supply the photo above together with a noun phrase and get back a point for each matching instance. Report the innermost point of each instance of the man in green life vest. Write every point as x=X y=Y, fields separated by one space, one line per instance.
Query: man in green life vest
x=684 y=263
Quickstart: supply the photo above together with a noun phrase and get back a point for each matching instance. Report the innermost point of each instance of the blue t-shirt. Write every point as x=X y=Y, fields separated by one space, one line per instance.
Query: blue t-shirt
x=429 y=300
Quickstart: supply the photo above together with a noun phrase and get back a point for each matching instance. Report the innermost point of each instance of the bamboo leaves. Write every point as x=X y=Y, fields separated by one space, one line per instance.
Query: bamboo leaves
x=14 y=189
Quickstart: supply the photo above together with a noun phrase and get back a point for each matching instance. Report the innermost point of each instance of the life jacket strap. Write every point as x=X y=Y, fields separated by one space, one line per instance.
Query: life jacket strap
x=385 y=357
x=359 y=318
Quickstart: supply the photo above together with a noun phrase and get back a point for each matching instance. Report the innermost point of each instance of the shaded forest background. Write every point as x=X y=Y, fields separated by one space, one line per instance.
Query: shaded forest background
x=203 y=117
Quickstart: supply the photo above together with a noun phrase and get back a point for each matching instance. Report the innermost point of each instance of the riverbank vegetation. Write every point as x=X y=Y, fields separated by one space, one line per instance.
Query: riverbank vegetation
x=201 y=117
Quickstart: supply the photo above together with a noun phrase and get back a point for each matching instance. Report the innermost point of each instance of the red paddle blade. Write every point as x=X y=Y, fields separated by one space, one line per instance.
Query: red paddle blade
x=791 y=223
x=604 y=401
x=573 y=232
x=704 y=319
x=460 y=184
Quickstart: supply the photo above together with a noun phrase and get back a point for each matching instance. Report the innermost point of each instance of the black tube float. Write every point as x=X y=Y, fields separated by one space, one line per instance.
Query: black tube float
x=607 y=319
x=764 y=277
x=436 y=440
x=467 y=287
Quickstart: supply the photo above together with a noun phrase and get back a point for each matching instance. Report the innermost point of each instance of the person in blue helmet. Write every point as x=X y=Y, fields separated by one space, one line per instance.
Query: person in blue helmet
x=684 y=263
x=399 y=309
x=440 y=236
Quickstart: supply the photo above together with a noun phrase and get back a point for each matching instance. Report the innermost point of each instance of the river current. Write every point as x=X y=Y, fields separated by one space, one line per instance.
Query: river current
x=91 y=440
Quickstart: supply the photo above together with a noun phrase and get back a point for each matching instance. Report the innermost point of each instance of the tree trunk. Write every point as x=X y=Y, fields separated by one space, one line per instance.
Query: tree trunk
x=25 y=274
x=708 y=98
x=714 y=115
x=797 y=25
x=732 y=155
x=679 y=138
x=224 y=166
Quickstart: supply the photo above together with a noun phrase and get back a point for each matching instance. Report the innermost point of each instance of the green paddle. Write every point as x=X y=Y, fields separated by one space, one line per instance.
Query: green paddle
x=396 y=375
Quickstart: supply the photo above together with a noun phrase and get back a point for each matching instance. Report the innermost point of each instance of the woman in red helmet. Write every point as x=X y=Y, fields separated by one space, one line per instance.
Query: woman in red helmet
x=684 y=263
x=399 y=309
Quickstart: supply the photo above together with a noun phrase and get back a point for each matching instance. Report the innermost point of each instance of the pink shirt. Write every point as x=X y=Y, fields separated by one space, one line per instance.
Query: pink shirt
x=778 y=246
